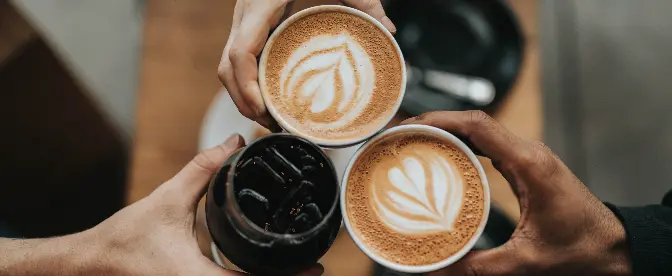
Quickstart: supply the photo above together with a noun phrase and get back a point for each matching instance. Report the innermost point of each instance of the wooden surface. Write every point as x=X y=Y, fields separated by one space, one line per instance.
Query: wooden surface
x=178 y=78
x=182 y=45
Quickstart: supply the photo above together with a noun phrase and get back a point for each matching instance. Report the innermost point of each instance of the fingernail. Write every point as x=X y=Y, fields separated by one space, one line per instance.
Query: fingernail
x=232 y=141
x=388 y=24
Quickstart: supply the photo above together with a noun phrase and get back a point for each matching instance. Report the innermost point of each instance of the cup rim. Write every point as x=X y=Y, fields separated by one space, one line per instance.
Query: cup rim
x=340 y=143
x=486 y=199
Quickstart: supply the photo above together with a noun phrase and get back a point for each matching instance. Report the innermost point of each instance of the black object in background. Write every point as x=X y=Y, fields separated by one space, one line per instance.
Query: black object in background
x=475 y=38
x=273 y=208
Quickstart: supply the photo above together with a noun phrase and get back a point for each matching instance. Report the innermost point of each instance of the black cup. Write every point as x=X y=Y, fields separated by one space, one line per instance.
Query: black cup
x=273 y=207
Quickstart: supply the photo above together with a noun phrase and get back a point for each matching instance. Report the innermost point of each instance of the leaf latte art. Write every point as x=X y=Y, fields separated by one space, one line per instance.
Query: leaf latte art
x=418 y=192
x=332 y=77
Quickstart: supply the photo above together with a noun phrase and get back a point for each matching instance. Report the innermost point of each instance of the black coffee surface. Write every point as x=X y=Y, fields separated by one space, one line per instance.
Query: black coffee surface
x=284 y=185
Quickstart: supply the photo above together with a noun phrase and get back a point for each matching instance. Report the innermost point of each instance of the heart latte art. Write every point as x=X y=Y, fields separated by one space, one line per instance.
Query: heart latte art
x=331 y=76
x=414 y=199
x=421 y=193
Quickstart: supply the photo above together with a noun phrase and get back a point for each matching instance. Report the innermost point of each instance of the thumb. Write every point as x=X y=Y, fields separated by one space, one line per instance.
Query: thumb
x=375 y=9
x=192 y=180
x=502 y=260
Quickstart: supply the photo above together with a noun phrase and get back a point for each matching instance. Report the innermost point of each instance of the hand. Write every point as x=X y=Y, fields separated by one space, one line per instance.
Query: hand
x=156 y=236
x=252 y=23
x=563 y=230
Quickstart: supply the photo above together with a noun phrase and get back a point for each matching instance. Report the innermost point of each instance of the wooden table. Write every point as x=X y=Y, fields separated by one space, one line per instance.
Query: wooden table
x=182 y=45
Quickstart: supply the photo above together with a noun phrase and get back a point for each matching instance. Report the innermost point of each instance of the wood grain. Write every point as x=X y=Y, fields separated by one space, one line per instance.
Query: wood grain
x=181 y=48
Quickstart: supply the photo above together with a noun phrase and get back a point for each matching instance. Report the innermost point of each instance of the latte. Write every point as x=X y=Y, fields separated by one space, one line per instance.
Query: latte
x=333 y=75
x=414 y=198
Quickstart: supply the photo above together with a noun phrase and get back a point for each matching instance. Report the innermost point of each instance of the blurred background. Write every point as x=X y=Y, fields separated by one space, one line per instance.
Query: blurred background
x=102 y=101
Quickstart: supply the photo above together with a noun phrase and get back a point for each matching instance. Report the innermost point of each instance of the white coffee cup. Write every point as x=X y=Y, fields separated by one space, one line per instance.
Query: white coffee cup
x=449 y=138
x=282 y=122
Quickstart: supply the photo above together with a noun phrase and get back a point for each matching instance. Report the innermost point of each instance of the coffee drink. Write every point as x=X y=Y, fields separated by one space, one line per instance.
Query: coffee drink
x=273 y=207
x=415 y=199
x=333 y=75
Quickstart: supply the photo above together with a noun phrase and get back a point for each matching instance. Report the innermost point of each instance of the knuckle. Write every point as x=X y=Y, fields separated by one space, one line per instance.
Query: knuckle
x=369 y=4
x=244 y=107
x=525 y=160
x=541 y=146
x=236 y=53
x=203 y=162
x=539 y=161
x=478 y=117
x=249 y=113
x=223 y=71
x=429 y=116
x=472 y=270
x=546 y=157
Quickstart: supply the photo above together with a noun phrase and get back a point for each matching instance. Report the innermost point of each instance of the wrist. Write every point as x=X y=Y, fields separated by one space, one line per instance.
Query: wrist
x=614 y=244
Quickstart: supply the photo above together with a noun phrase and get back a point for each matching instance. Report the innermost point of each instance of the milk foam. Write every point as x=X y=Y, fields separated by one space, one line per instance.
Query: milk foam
x=422 y=193
x=414 y=199
x=331 y=74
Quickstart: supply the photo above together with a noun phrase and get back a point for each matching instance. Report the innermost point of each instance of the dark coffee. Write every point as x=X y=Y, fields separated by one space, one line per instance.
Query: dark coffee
x=273 y=207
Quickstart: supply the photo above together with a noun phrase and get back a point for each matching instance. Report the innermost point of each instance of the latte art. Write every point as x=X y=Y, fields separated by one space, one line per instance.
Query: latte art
x=422 y=194
x=414 y=198
x=332 y=76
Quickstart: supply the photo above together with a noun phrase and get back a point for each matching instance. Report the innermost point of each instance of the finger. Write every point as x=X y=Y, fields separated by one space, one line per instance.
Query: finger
x=480 y=131
x=254 y=29
x=375 y=9
x=191 y=182
x=225 y=69
x=498 y=261
x=287 y=12
x=315 y=270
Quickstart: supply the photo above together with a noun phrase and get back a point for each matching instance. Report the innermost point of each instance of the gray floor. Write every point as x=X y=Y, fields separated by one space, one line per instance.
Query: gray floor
x=608 y=94
x=100 y=41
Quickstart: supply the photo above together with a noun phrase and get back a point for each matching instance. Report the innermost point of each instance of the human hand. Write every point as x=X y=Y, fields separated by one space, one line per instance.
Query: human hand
x=252 y=23
x=563 y=230
x=156 y=236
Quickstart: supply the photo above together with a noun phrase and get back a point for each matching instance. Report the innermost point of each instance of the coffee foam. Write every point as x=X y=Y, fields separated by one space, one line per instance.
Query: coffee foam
x=414 y=199
x=333 y=75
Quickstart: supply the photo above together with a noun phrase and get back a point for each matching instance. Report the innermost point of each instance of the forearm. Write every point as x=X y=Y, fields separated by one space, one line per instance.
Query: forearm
x=66 y=255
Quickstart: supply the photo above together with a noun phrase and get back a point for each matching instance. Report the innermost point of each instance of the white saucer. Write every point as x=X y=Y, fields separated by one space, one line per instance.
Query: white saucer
x=223 y=120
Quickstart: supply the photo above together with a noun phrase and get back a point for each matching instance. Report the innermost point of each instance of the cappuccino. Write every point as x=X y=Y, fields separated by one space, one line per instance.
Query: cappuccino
x=414 y=198
x=333 y=75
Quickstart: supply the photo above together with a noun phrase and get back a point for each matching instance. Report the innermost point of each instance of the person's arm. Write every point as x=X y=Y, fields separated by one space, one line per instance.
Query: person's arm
x=154 y=236
x=563 y=228
x=649 y=234
x=67 y=255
